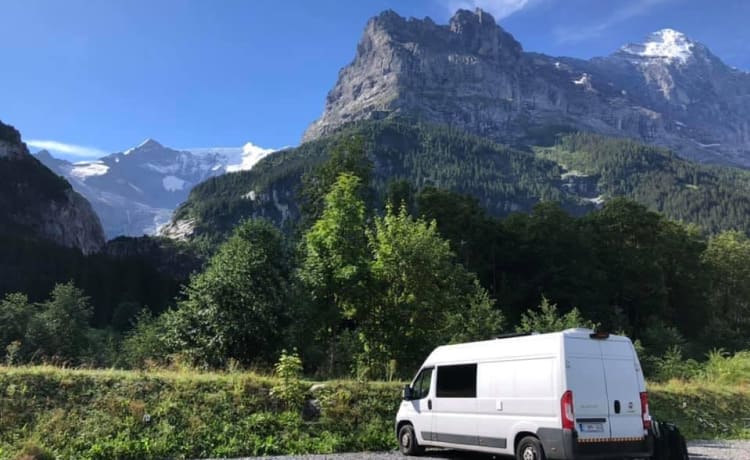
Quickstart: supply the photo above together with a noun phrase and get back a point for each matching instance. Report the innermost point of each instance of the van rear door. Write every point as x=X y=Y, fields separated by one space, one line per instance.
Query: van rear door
x=586 y=379
x=623 y=383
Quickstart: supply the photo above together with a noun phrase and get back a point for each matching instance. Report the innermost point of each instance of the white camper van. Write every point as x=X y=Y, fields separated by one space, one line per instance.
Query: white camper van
x=566 y=395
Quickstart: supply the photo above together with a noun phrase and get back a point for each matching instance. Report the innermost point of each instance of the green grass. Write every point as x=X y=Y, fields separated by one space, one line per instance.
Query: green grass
x=106 y=414
x=113 y=414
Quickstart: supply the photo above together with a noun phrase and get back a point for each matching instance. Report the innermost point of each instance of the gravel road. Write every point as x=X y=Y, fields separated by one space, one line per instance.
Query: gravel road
x=699 y=450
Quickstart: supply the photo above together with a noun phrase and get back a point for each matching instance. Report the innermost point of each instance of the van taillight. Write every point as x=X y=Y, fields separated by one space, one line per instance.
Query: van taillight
x=644 y=411
x=566 y=409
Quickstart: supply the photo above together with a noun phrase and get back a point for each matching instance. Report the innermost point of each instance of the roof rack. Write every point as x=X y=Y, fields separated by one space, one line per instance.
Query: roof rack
x=514 y=334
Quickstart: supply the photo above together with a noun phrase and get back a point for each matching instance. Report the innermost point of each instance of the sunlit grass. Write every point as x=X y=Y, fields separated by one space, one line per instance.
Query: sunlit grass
x=181 y=412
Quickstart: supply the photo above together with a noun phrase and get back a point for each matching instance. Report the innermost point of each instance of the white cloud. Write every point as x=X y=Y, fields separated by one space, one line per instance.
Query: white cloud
x=581 y=33
x=498 y=8
x=70 y=149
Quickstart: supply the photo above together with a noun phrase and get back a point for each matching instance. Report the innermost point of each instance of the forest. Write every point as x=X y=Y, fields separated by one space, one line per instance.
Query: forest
x=366 y=285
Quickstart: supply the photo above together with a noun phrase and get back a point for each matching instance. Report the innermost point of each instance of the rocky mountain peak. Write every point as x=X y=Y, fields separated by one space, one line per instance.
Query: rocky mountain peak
x=480 y=34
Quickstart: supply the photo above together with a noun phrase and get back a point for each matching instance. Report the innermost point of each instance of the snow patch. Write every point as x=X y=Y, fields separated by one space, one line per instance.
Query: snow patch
x=573 y=173
x=173 y=183
x=597 y=201
x=583 y=80
x=84 y=169
x=163 y=169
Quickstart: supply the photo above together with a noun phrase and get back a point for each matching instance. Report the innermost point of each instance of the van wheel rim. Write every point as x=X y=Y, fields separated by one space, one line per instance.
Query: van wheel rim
x=529 y=454
x=406 y=440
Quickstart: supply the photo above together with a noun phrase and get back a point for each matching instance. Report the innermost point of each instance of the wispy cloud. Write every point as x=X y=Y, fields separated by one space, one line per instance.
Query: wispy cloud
x=70 y=149
x=498 y=8
x=633 y=8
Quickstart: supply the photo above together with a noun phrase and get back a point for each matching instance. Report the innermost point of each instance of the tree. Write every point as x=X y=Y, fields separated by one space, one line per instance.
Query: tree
x=236 y=308
x=15 y=313
x=334 y=265
x=60 y=330
x=419 y=291
x=144 y=344
x=549 y=319
x=728 y=260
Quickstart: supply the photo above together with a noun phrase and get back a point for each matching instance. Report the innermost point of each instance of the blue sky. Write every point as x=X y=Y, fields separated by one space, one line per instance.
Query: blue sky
x=101 y=76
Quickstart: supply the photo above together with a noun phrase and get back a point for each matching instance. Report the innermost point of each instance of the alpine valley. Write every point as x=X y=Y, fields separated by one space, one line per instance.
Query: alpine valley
x=455 y=188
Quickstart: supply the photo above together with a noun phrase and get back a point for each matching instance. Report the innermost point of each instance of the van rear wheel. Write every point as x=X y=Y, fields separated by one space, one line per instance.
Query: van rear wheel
x=407 y=441
x=529 y=449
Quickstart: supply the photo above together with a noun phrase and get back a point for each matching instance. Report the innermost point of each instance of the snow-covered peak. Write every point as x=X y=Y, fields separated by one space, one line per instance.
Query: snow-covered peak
x=668 y=45
x=148 y=144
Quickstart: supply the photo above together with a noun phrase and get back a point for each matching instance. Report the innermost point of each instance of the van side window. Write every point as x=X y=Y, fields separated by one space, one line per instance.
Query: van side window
x=457 y=381
x=422 y=384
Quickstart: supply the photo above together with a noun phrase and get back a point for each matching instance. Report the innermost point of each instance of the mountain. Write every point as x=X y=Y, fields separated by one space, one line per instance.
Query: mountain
x=134 y=192
x=580 y=171
x=472 y=75
x=35 y=203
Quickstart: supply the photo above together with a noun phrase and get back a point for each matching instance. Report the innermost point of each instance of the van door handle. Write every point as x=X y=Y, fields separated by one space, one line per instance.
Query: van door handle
x=429 y=404
x=617 y=407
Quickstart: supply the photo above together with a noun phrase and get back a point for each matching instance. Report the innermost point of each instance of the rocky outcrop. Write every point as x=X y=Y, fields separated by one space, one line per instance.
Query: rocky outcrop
x=34 y=202
x=473 y=75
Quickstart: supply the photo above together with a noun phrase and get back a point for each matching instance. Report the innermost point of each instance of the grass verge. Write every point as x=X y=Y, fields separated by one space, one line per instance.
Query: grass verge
x=109 y=414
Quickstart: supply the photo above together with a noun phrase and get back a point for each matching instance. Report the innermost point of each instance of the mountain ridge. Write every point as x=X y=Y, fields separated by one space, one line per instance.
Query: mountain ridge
x=473 y=75
x=36 y=203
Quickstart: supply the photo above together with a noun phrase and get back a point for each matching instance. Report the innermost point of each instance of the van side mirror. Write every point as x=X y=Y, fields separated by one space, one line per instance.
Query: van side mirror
x=408 y=393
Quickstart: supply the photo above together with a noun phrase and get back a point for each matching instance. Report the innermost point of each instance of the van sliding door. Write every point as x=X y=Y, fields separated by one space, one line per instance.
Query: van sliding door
x=454 y=408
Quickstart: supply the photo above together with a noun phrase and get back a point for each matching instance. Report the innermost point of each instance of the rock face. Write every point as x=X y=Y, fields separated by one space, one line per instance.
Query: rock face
x=34 y=202
x=134 y=192
x=473 y=75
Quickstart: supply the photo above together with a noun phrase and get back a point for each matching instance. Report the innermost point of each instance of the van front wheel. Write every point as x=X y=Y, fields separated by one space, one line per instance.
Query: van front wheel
x=529 y=449
x=407 y=441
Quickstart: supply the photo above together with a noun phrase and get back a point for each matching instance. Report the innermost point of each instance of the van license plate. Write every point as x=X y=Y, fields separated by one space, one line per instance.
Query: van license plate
x=592 y=428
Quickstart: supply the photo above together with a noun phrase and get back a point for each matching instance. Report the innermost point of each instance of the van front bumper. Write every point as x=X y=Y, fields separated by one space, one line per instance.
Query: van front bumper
x=565 y=445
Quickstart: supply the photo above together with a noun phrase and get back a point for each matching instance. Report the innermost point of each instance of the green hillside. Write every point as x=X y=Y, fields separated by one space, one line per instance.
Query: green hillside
x=578 y=171
x=504 y=179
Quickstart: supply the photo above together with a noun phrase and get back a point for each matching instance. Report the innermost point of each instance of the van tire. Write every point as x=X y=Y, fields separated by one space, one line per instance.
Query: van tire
x=530 y=449
x=407 y=441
